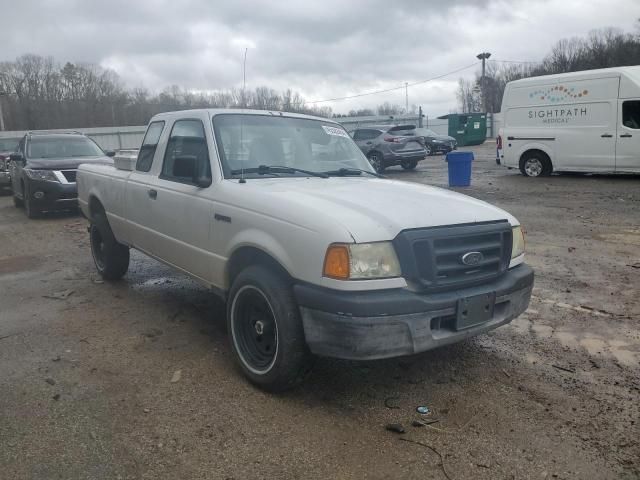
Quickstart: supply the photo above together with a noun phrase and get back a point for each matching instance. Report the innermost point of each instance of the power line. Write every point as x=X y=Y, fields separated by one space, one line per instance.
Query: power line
x=513 y=61
x=358 y=95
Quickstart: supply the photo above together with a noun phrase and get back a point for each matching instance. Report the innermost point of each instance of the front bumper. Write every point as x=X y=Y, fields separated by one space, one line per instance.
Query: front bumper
x=441 y=148
x=56 y=196
x=392 y=323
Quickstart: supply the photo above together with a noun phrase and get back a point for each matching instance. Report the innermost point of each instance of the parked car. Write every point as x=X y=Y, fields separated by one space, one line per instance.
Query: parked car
x=434 y=142
x=43 y=169
x=572 y=122
x=8 y=145
x=316 y=254
x=389 y=145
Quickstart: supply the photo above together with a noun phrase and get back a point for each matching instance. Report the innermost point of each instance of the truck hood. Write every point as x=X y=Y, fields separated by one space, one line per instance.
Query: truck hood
x=70 y=163
x=371 y=209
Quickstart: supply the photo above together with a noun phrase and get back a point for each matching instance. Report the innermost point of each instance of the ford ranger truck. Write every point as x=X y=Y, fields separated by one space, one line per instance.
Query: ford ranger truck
x=315 y=253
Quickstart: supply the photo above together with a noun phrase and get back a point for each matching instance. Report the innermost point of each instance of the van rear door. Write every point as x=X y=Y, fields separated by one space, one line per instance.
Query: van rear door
x=628 y=136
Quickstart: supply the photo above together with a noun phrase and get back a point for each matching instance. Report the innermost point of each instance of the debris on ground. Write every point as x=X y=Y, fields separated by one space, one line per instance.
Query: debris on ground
x=50 y=381
x=56 y=397
x=395 y=427
x=60 y=295
x=423 y=410
x=433 y=449
x=152 y=332
x=388 y=402
x=177 y=375
x=424 y=423
x=564 y=369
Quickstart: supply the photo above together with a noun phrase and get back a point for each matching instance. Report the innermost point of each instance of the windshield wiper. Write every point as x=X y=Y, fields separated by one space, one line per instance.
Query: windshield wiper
x=343 y=172
x=271 y=169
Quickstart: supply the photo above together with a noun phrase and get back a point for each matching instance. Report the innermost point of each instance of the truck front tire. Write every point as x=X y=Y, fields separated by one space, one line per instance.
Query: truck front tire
x=110 y=257
x=265 y=328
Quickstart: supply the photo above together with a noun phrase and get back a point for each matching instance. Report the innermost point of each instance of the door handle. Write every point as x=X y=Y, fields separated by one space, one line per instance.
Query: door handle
x=369 y=143
x=606 y=135
x=626 y=135
x=153 y=194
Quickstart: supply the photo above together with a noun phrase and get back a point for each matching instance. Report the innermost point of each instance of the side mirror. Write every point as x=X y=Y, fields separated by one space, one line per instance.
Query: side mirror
x=16 y=157
x=186 y=166
x=110 y=153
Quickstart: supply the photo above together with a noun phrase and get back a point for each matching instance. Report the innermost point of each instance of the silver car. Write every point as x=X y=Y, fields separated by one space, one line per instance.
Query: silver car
x=389 y=145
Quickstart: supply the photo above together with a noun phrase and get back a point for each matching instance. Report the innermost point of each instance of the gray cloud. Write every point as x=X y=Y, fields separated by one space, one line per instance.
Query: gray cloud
x=323 y=49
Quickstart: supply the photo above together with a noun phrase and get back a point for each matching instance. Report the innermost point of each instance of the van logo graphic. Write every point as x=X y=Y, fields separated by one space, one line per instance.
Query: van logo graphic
x=472 y=258
x=558 y=93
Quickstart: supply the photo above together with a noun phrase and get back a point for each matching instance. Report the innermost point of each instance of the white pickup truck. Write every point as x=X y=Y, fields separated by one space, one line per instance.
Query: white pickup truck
x=315 y=254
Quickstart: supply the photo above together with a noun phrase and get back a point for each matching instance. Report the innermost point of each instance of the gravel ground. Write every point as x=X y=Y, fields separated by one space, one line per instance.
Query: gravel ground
x=89 y=385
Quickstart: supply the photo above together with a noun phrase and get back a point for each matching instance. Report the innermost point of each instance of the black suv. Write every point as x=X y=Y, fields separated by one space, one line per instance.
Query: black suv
x=43 y=169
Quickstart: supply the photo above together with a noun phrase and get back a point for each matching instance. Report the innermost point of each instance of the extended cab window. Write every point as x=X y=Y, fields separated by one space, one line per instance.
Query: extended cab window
x=149 y=145
x=631 y=114
x=187 y=139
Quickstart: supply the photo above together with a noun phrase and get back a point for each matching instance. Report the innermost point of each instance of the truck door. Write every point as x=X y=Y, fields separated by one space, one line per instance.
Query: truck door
x=628 y=136
x=182 y=212
x=137 y=207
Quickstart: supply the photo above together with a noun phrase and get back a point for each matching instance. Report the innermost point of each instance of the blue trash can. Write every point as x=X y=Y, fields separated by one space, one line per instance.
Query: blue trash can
x=459 y=165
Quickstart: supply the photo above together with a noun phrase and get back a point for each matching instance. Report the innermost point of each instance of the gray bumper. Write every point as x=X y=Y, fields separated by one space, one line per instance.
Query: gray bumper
x=371 y=336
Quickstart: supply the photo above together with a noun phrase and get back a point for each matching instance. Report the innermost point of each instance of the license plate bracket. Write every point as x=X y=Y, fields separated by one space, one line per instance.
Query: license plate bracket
x=472 y=311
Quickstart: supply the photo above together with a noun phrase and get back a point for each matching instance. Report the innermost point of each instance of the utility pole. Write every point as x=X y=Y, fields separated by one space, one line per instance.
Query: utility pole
x=483 y=56
x=406 y=96
x=420 y=116
x=2 y=93
x=244 y=78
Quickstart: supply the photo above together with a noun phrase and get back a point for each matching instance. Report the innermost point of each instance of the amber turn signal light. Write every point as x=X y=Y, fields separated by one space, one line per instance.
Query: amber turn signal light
x=336 y=262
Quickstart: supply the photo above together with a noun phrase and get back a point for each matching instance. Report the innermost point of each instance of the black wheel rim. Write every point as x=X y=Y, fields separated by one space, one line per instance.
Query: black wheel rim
x=254 y=329
x=97 y=247
x=374 y=161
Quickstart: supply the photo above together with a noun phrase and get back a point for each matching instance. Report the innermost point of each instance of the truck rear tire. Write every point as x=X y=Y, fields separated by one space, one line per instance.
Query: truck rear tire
x=535 y=164
x=110 y=257
x=265 y=329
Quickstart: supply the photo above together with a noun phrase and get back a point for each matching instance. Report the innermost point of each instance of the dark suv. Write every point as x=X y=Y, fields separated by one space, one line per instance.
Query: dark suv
x=389 y=145
x=43 y=169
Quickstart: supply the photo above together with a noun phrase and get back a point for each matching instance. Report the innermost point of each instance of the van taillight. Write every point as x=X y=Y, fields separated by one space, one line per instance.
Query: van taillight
x=499 y=142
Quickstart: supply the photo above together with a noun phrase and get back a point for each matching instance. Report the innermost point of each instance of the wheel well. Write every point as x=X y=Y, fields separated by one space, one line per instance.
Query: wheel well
x=535 y=151
x=246 y=256
x=95 y=206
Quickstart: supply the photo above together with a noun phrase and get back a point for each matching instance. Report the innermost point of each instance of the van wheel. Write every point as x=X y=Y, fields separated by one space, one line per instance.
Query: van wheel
x=267 y=337
x=535 y=164
x=110 y=257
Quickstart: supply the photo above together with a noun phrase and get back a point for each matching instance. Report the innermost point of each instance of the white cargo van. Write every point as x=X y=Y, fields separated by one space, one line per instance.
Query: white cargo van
x=574 y=122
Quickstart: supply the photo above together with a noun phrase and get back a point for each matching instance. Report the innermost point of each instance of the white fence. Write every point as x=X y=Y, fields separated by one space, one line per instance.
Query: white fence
x=123 y=138
x=109 y=138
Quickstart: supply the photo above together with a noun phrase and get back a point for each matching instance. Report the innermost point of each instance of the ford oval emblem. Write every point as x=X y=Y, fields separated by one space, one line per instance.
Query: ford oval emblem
x=472 y=258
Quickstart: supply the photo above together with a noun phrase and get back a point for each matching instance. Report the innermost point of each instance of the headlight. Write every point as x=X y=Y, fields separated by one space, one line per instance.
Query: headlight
x=40 y=175
x=437 y=141
x=517 y=248
x=361 y=261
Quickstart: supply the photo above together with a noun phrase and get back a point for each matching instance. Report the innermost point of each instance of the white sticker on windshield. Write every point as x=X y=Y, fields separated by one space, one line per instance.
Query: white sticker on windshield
x=335 y=131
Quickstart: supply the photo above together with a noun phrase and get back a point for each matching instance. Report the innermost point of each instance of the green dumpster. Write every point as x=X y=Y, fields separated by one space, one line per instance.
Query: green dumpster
x=467 y=128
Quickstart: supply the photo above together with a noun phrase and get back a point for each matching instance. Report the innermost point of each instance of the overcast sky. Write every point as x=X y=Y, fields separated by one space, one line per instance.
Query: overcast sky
x=323 y=49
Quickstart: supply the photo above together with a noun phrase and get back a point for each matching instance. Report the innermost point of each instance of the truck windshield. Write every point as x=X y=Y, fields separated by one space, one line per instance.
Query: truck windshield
x=62 y=147
x=249 y=143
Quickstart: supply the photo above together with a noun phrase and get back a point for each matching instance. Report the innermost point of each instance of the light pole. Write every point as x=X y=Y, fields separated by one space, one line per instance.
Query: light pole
x=2 y=94
x=406 y=97
x=483 y=56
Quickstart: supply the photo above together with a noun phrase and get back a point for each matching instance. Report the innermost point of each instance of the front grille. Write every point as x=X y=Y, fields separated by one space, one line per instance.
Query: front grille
x=432 y=257
x=70 y=175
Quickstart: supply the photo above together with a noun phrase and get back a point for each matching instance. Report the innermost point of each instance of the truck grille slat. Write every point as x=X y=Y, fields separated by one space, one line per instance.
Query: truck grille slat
x=433 y=256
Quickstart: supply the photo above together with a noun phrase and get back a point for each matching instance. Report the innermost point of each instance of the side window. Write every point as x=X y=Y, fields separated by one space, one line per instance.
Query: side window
x=187 y=139
x=370 y=134
x=149 y=145
x=631 y=114
x=357 y=135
